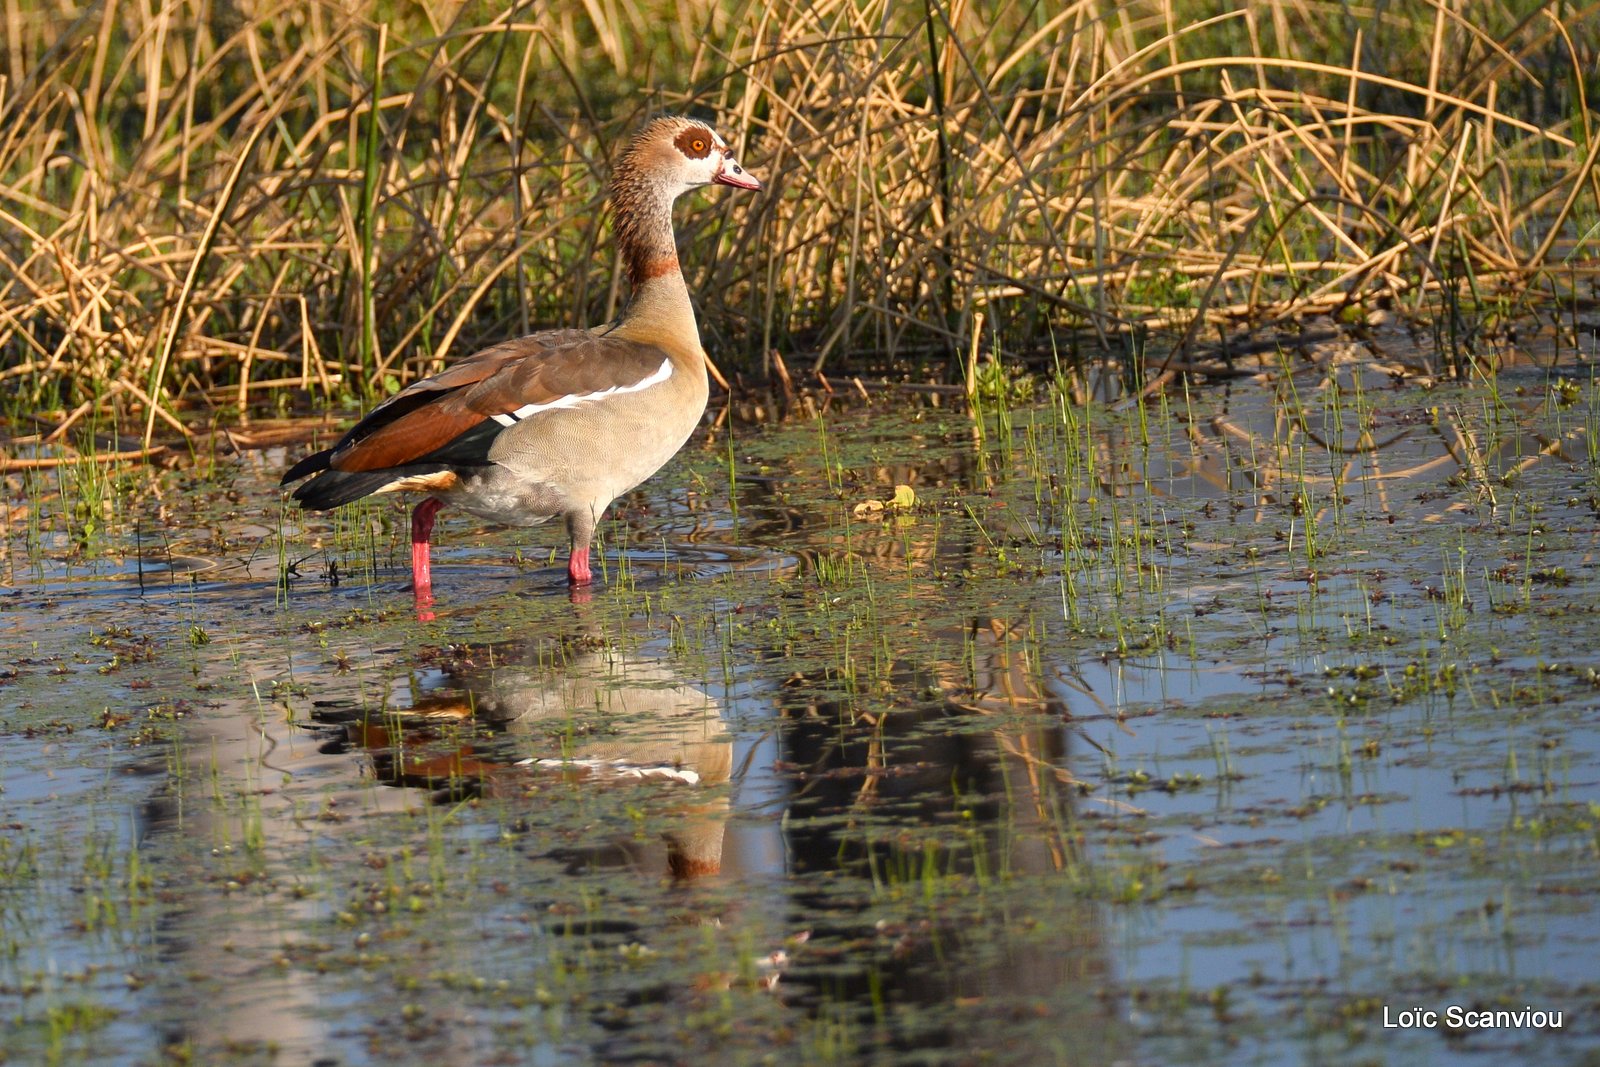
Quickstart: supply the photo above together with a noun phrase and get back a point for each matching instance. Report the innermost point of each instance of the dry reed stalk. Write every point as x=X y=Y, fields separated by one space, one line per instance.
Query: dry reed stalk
x=9 y=465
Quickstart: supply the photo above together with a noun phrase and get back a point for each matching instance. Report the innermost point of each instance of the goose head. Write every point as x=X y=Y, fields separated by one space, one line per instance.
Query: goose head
x=678 y=154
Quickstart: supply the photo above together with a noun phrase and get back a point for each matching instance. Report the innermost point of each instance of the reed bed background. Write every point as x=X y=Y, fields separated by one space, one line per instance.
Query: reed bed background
x=214 y=201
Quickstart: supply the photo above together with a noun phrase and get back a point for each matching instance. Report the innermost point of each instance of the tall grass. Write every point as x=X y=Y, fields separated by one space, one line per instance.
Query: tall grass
x=201 y=200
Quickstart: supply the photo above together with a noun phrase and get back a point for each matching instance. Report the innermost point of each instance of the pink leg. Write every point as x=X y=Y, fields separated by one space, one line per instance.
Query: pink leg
x=580 y=530
x=421 y=532
x=578 y=572
x=578 y=577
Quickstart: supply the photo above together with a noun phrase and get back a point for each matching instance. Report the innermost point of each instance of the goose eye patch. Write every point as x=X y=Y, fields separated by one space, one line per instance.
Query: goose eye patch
x=694 y=143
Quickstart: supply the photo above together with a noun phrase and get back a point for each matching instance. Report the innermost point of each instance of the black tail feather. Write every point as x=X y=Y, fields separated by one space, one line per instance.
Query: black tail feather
x=317 y=461
x=332 y=488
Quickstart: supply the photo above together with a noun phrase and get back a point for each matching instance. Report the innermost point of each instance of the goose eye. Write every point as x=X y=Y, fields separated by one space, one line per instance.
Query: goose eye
x=694 y=143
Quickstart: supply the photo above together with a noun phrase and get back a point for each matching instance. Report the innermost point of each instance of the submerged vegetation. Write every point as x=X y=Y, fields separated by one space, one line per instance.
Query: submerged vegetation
x=202 y=202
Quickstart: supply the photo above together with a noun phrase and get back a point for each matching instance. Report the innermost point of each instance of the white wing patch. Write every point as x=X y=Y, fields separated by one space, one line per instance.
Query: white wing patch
x=572 y=400
x=616 y=767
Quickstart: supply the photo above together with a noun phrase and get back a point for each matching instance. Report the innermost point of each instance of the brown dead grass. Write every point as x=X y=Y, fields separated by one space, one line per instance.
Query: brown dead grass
x=206 y=204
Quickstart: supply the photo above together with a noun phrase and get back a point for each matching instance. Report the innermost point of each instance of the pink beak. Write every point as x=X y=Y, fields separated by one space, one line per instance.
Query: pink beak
x=730 y=173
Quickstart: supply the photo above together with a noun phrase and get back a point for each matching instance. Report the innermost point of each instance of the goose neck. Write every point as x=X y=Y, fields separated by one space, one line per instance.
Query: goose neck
x=659 y=300
x=644 y=229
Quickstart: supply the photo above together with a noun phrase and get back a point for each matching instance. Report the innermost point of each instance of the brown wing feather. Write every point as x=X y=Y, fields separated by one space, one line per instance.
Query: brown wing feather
x=590 y=366
x=427 y=416
x=408 y=438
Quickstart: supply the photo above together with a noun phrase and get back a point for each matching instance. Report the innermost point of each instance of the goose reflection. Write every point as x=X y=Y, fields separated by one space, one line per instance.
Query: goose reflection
x=508 y=718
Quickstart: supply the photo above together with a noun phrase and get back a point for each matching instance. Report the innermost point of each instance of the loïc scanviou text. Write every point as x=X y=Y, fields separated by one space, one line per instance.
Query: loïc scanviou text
x=1456 y=1017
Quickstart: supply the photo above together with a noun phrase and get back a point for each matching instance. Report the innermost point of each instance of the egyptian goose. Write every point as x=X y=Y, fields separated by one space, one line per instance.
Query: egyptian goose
x=560 y=422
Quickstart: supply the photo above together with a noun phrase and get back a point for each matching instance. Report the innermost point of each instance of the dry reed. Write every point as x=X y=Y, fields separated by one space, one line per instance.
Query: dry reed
x=206 y=202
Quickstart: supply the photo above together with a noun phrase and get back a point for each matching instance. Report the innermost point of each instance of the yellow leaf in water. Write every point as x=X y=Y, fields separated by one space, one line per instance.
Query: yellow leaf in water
x=904 y=497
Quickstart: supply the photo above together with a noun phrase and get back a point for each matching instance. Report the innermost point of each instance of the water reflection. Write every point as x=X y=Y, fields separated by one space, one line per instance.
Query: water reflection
x=497 y=720
x=952 y=785
x=947 y=780
x=246 y=791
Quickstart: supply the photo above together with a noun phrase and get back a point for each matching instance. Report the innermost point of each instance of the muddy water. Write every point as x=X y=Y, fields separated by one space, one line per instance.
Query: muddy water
x=1224 y=729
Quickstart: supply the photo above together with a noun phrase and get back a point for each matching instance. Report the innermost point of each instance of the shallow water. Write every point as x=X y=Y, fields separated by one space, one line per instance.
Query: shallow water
x=1206 y=731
